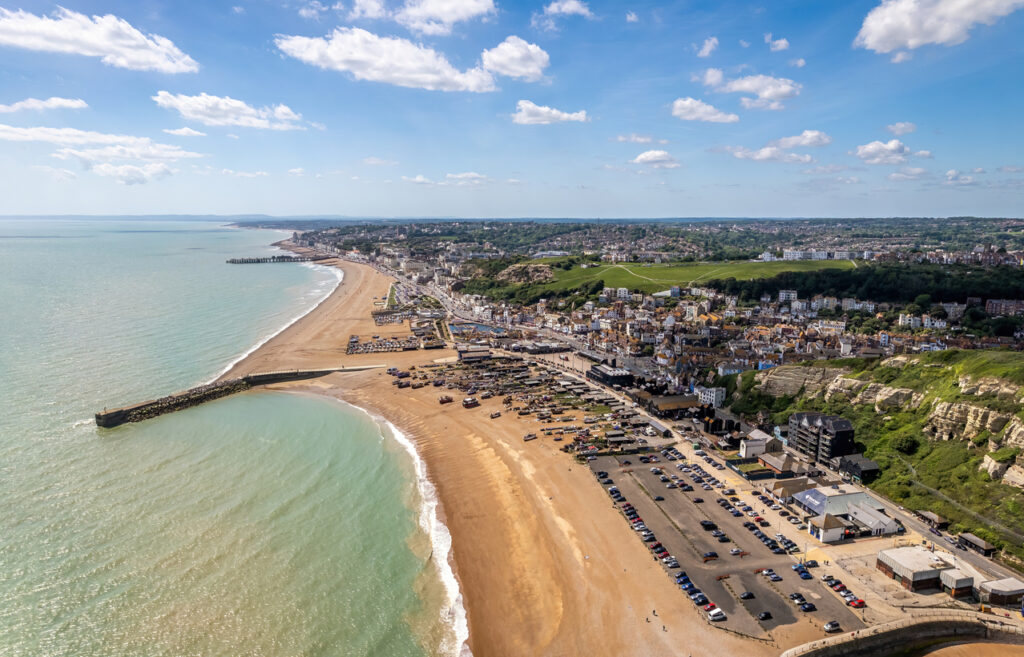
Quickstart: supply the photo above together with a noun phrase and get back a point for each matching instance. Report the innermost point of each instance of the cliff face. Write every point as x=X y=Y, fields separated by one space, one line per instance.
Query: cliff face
x=952 y=420
x=791 y=379
x=882 y=397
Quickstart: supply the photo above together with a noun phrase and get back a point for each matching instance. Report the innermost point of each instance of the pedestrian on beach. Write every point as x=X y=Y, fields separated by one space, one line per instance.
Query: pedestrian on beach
x=648 y=619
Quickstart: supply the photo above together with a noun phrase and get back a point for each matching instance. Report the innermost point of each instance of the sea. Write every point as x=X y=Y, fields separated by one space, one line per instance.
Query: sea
x=263 y=524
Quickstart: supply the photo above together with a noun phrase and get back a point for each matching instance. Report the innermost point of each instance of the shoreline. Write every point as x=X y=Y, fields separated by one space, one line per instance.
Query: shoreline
x=543 y=566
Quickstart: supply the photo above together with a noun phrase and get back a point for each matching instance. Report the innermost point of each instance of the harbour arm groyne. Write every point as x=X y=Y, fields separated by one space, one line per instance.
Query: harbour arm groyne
x=109 y=418
x=279 y=258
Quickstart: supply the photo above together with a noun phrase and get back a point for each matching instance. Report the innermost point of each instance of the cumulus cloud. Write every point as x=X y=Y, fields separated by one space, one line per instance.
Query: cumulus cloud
x=243 y=174
x=925 y=154
x=825 y=169
x=465 y=179
x=691 y=109
x=184 y=132
x=909 y=24
x=907 y=173
x=656 y=160
x=367 y=9
x=419 y=179
x=516 y=58
x=38 y=105
x=799 y=63
x=104 y=146
x=709 y=46
x=527 y=113
x=957 y=179
x=777 y=44
x=631 y=17
x=804 y=139
x=546 y=18
x=437 y=17
x=297 y=171
x=224 y=110
x=893 y=151
x=769 y=91
x=130 y=174
x=901 y=128
x=114 y=40
x=391 y=60
x=769 y=154
x=1009 y=168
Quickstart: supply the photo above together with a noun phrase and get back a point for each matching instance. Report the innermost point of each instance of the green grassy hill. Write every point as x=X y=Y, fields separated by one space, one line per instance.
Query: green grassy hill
x=653 y=278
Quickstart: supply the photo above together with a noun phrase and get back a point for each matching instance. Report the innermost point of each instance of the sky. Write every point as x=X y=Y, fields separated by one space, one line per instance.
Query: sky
x=492 y=108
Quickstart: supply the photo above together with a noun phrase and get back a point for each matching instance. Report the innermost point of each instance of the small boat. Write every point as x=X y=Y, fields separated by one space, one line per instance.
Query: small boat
x=495 y=414
x=444 y=399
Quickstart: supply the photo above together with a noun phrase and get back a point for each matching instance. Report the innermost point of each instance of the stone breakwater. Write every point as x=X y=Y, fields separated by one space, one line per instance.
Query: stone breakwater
x=109 y=418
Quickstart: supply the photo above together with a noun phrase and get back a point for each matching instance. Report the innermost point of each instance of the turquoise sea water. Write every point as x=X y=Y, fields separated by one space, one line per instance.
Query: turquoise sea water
x=262 y=524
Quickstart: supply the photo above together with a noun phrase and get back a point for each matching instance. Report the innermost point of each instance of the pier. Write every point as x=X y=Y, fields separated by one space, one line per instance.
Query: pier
x=278 y=258
x=201 y=394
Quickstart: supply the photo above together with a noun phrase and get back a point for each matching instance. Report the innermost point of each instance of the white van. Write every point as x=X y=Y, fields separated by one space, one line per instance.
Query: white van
x=716 y=615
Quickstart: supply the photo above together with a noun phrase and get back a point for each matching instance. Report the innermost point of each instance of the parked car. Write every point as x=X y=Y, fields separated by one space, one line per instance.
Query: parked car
x=764 y=615
x=832 y=626
x=746 y=595
x=808 y=607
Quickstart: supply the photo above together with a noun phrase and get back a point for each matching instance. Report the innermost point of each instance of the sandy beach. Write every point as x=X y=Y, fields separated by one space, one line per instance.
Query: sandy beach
x=545 y=564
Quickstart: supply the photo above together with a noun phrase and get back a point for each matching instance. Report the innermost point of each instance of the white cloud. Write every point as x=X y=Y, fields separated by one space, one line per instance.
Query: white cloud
x=978 y=170
x=805 y=139
x=770 y=91
x=112 y=39
x=297 y=171
x=1009 y=168
x=420 y=179
x=130 y=174
x=65 y=136
x=925 y=154
x=146 y=152
x=893 y=151
x=709 y=46
x=224 y=110
x=901 y=128
x=631 y=17
x=384 y=59
x=546 y=19
x=244 y=174
x=799 y=63
x=238 y=9
x=825 y=169
x=691 y=109
x=59 y=175
x=436 y=17
x=900 y=57
x=955 y=178
x=516 y=58
x=378 y=162
x=634 y=139
x=312 y=10
x=367 y=9
x=769 y=154
x=37 y=105
x=744 y=44
x=777 y=44
x=909 y=24
x=656 y=159
x=528 y=113
x=907 y=173
x=465 y=179
x=184 y=132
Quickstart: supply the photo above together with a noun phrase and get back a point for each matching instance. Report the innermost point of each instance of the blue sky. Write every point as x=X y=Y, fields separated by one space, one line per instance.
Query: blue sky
x=484 y=108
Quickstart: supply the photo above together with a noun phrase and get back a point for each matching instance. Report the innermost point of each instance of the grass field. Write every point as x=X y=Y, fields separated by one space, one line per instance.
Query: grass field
x=653 y=278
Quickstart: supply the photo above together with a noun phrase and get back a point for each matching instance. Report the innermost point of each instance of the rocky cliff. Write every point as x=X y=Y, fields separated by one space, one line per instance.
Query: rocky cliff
x=792 y=379
x=523 y=273
x=882 y=397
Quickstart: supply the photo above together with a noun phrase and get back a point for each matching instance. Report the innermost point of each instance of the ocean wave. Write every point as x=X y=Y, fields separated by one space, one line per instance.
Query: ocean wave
x=454 y=613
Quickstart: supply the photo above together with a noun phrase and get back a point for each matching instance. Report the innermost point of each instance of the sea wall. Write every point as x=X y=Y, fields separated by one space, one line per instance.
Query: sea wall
x=202 y=394
x=924 y=627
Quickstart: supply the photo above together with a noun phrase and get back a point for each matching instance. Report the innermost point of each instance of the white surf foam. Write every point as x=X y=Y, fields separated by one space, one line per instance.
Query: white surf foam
x=454 y=612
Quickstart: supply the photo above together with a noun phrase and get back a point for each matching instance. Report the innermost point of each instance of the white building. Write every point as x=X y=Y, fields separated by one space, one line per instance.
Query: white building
x=787 y=295
x=754 y=444
x=711 y=396
x=909 y=321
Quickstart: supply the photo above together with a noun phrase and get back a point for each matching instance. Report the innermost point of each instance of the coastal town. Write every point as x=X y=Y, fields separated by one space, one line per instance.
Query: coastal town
x=743 y=443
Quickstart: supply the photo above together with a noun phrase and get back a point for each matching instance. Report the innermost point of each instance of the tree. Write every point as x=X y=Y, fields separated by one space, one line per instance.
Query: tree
x=906 y=444
x=923 y=300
